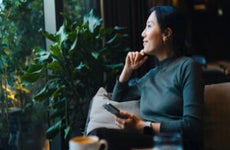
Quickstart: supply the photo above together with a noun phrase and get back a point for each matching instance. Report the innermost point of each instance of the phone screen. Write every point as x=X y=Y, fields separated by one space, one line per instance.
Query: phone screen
x=112 y=109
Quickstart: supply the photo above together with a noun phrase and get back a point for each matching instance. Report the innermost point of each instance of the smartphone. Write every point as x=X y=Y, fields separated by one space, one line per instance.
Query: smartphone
x=112 y=109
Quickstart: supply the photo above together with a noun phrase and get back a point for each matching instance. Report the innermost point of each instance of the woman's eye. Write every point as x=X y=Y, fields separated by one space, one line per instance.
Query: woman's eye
x=149 y=26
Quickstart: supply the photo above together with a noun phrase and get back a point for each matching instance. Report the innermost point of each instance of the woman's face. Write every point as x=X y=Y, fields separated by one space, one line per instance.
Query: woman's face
x=152 y=36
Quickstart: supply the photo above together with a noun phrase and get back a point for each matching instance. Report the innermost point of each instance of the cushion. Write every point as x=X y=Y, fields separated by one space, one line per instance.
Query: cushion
x=99 y=117
x=216 y=116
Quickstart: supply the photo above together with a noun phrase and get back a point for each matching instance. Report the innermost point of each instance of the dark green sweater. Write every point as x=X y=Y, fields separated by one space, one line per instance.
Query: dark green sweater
x=171 y=94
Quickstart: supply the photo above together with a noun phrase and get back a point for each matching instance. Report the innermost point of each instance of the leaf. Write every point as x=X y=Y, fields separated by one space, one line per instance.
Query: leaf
x=119 y=28
x=44 y=57
x=56 y=96
x=53 y=130
x=80 y=66
x=67 y=131
x=114 y=66
x=41 y=55
x=62 y=35
x=33 y=73
x=115 y=38
x=49 y=36
x=92 y=21
x=57 y=113
x=55 y=50
x=41 y=95
x=7 y=51
x=58 y=104
x=103 y=32
x=95 y=55
x=55 y=66
x=67 y=22
x=73 y=45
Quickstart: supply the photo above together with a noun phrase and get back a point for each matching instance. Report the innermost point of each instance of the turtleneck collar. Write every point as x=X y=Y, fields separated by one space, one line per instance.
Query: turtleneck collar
x=166 y=61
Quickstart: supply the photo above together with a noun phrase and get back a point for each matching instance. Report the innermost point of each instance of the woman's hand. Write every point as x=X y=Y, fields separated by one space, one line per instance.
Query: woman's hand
x=131 y=122
x=133 y=61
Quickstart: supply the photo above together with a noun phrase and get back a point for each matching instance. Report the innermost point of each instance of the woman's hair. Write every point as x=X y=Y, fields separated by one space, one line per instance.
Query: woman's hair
x=170 y=17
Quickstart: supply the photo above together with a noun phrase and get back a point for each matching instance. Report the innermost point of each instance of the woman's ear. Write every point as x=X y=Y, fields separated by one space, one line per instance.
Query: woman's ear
x=167 y=34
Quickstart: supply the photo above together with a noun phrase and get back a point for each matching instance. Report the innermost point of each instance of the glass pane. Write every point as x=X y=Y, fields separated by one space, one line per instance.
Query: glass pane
x=77 y=8
x=20 y=21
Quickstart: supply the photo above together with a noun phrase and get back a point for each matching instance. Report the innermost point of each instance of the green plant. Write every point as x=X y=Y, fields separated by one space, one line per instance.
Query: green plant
x=75 y=8
x=79 y=61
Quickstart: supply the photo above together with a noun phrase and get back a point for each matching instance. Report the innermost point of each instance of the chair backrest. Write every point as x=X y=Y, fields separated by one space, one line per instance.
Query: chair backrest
x=214 y=76
x=216 y=116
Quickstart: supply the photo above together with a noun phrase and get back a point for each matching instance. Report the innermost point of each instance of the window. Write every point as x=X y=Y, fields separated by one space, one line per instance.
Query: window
x=19 y=33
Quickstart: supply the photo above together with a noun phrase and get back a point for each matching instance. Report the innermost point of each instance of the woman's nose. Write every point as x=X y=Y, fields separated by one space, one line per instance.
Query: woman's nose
x=143 y=33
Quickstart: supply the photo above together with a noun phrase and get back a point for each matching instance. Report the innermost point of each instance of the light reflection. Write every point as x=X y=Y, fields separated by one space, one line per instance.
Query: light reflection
x=220 y=11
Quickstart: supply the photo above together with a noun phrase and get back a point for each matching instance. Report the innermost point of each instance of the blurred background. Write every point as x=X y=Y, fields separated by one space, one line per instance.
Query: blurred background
x=35 y=36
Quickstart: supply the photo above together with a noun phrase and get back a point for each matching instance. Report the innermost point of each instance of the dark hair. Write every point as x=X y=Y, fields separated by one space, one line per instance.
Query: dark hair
x=169 y=16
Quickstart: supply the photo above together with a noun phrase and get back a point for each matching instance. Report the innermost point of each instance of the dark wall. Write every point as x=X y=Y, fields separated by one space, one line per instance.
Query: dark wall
x=207 y=31
x=210 y=31
x=127 y=13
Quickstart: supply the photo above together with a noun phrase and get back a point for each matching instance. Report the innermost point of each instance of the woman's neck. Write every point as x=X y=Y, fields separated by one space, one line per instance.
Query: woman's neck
x=164 y=55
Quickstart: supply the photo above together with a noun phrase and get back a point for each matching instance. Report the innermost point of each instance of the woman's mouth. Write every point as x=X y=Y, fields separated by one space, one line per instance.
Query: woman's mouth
x=144 y=43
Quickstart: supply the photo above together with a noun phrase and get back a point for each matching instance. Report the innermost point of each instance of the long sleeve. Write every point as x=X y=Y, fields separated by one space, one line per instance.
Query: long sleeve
x=192 y=92
x=125 y=92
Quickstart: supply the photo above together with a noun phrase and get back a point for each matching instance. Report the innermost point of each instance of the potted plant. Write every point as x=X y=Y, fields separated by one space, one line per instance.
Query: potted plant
x=82 y=58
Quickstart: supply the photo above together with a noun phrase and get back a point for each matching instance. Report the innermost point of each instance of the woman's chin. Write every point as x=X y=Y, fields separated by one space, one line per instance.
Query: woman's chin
x=147 y=52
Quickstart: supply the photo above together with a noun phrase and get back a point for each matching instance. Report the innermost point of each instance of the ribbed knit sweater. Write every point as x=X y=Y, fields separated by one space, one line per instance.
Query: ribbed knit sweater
x=171 y=94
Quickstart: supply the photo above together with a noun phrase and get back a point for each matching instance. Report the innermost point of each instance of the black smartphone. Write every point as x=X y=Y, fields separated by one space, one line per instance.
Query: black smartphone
x=112 y=109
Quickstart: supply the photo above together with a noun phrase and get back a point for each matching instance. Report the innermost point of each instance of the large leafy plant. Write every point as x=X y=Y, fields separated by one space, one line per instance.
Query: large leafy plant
x=82 y=58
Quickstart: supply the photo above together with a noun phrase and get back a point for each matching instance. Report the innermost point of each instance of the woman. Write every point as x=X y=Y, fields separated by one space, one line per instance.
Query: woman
x=171 y=94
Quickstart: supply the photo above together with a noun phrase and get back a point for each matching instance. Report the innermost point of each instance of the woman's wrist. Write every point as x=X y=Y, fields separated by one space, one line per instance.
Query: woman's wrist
x=155 y=127
x=125 y=74
x=150 y=127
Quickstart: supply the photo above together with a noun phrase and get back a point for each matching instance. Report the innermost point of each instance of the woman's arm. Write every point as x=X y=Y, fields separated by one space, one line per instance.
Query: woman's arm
x=193 y=99
x=122 y=91
x=132 y=62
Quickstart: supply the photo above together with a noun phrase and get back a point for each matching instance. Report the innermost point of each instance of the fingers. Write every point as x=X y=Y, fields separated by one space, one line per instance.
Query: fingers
x=132 y=57
x=142 y=52
x=136 y=58
x=120 y=123
x=123 y=123
x=132 y=122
